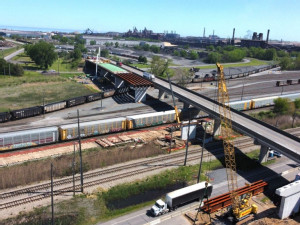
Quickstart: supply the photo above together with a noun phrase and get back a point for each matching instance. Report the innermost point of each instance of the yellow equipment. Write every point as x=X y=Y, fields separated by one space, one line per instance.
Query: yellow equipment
x=240 y=208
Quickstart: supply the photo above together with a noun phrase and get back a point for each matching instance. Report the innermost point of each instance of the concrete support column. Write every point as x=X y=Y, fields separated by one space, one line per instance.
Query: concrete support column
x=217 y=127
x=161 y=94
x=264 y=153
x=119 y=82
x=186 y=105
x=140 y=94
x=290 y=199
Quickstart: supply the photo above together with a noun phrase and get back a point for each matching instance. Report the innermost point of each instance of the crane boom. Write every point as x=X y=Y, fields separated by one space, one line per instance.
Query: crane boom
x=226 y=133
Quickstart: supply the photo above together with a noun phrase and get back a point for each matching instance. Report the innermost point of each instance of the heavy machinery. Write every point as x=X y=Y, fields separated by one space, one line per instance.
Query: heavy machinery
x=241 y=207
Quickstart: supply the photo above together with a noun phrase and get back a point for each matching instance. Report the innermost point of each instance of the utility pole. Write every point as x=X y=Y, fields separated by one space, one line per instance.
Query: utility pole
x=80 y=153
x=203 y=146
x=73 y=170
x=9 y=69
x=187 y=141
x=52 y=206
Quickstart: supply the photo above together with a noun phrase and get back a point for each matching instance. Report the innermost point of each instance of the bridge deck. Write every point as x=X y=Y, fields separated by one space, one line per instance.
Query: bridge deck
x=265 y=134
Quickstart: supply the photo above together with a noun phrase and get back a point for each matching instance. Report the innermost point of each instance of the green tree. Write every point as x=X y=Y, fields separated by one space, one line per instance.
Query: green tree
x=117 y=44
x=142 y=59
x=183 y=53
x=285 y=63
x=210 y=48
x=281 y=107
x=106 y=44
x=295 y=110
x=186 y=46
x=92 y=42
x=270 y=54
x=184 y=75
x=213 y=57
x=42 y=53
x=297 y=63
x=10 y=68
x=176 y=53
x=146 y=47
x=104 y=53
x=76 y=54
x=194 y=55
x=159 y=66
x=154 y=48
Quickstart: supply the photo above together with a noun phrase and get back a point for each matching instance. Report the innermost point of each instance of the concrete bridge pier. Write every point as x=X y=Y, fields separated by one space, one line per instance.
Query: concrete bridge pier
x=161 y=94
x=140 y=94
x=264 y=152
x=186 y=105
x=217 y=127
x=119 y=82
x=290 y=199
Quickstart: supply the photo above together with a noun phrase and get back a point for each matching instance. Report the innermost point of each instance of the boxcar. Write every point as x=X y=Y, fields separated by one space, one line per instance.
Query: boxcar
x=22 y=139
x=76 y=101
x=28 y=112
x=241 y=105
x=92 y=128
x=94 y=97
x=5 y=116
x=150 y=119
x=263 y=102
x=55 y=106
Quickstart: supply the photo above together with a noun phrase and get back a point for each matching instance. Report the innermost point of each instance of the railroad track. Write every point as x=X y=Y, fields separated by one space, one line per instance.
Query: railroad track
x=90 y=184
x=112 y=170
x=40 y=196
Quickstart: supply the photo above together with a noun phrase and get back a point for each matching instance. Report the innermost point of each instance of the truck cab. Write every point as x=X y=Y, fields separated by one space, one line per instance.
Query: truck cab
x=159 y=208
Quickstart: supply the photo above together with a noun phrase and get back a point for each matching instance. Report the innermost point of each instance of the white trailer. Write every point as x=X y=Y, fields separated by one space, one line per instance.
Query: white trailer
x=149 y=76
x=181 y=196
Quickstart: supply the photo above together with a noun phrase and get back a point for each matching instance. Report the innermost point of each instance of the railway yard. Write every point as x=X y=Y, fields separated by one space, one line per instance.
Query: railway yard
x=128 y=125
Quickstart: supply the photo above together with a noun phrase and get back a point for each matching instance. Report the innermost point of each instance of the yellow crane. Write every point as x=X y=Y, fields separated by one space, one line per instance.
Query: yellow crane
x=241 y=208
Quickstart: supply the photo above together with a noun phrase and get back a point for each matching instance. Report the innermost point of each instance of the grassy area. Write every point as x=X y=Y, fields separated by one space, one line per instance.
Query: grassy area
x=59 y=65
x=140 y=65
x=128 y=197
x=8 y=51
x=253 y=62
x=30 y=89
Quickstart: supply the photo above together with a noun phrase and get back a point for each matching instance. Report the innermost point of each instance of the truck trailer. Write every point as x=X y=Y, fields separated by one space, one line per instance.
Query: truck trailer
x=181 y=196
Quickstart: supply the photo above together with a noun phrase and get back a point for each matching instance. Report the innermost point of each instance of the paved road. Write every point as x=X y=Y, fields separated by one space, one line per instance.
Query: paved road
x=219 y=187
x=7 y=58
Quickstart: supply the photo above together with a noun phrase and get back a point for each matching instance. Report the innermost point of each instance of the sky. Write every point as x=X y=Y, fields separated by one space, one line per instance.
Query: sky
x=186 y=17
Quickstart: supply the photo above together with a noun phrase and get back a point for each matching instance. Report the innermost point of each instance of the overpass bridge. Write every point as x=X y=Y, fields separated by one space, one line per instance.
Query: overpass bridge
x=262 y=133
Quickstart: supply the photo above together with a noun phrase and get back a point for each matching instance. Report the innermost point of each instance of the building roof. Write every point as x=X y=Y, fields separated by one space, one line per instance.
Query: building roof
x=112 y=68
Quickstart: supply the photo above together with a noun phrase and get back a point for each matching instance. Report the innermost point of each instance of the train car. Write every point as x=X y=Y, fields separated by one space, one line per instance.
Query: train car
x=241 y=105
x=51 y=107
x=76 y=101
x=263 y=102
x=150 y=119
x=94 y=97
x=27 y=112
x=26 y=138
x=5 y=116
x=291 y=97
x=87 y=129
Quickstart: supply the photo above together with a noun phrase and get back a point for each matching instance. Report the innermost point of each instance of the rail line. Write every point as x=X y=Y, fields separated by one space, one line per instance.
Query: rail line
x=40 y=196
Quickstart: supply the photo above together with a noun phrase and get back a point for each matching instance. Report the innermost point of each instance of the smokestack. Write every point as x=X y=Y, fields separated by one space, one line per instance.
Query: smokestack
x=268 y=36
x=213 y=32
x=232 y=41
x=204 y=32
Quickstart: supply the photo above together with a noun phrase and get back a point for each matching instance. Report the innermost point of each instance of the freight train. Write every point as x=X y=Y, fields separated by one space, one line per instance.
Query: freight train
x=49 y=135
x=40 y=136
x=51 y=107
x=260 y=102
x=213 y=77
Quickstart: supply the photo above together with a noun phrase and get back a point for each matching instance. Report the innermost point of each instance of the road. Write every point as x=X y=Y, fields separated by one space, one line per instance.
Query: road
x=219 y=187
x=7 y=58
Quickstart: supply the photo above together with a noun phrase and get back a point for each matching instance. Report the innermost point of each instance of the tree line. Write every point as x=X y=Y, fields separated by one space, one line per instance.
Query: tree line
x=7 y=68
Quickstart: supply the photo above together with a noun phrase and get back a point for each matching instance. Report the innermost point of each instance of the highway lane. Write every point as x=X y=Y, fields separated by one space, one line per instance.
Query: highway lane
x=220 y=186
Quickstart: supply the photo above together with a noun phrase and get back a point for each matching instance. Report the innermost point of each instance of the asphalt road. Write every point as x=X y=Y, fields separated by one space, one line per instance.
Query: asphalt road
x=219 y=187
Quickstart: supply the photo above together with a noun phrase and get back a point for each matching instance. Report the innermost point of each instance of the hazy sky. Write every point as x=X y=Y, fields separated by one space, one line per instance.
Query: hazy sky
x=186 y=17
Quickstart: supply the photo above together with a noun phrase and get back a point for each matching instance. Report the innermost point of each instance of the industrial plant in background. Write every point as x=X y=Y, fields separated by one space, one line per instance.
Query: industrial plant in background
x=256 y=41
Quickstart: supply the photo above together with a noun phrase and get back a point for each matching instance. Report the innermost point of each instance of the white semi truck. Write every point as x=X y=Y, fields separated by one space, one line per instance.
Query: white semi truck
x=149 y=76
x=181 y=196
